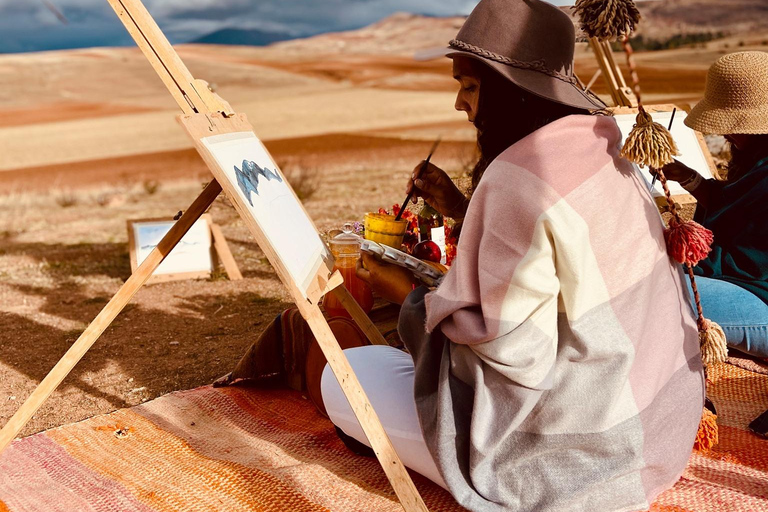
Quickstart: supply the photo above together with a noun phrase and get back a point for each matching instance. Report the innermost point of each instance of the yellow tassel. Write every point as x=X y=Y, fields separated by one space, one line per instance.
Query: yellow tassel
x=607 y=20
x=714 y=349
x=706 y=437
x=649 y=143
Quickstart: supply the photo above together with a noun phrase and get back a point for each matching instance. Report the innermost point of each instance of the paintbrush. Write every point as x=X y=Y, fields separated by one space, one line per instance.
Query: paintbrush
x=421 y=171
x=671 y=120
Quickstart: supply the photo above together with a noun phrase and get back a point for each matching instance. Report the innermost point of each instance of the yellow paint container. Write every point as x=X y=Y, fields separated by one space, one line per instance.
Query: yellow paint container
x=384 y=229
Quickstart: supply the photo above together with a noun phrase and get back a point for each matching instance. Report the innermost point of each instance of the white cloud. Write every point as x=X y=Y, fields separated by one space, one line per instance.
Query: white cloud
x=175 y=8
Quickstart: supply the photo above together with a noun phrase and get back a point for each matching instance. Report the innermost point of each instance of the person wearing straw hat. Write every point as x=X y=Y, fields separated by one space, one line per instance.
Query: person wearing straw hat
x=733 y=282
x=557 y=365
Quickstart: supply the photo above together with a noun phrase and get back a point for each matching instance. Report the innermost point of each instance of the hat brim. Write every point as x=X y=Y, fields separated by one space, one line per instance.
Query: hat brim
x=539 y=84
x=707 y=118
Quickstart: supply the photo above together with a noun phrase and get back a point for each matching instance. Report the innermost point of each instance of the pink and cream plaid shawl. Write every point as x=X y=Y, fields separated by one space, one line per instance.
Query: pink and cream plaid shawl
x=561 y=359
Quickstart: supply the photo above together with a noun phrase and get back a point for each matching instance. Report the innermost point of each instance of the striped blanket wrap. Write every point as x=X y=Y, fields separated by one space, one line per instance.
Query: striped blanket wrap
x=560 y=367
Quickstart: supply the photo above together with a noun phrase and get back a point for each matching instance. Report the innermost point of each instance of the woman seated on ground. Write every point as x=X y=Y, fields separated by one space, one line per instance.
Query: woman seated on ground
x=734 y=286
x=557 y=366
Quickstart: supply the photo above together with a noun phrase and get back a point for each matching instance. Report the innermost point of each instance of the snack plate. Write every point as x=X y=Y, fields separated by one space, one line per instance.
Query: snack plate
x=427 y=274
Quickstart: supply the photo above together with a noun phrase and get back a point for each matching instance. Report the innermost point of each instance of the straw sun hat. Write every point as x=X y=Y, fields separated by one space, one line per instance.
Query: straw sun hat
x=736 y=96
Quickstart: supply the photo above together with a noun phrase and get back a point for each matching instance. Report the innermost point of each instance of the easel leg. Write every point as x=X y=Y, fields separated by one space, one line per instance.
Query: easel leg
x=358 y=315
x=396 y=473
x=222 y=249
x=107 y=315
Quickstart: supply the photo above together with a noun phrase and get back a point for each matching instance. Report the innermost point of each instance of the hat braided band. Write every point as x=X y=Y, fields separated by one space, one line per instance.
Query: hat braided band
x=537 y=65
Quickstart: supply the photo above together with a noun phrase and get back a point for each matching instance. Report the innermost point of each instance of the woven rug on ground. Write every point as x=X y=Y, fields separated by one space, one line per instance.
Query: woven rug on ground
x=732 y=477
x=234 y=449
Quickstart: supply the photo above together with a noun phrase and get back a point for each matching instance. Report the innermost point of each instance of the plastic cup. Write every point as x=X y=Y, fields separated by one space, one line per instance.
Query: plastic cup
x=384 y=229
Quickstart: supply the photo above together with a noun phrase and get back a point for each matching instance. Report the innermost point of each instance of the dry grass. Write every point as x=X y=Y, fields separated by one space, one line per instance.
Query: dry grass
x=66 y=198
x=151 y=186
x=304 y=179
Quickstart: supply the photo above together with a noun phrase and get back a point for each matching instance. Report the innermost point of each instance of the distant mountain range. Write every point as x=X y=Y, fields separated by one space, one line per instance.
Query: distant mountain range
x=402 y=33
x=245 y=37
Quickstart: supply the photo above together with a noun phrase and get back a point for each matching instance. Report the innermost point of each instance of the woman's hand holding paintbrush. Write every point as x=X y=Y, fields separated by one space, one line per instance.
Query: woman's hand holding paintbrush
x=435 y=186
x=417 y=174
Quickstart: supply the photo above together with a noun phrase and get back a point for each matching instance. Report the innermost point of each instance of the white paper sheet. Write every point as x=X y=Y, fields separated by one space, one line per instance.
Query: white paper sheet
x=691 y=153
x=191 y=254
x=266 y=195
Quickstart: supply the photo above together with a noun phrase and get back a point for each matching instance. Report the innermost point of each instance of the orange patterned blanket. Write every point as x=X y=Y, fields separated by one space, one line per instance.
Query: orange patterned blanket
x=242 y=449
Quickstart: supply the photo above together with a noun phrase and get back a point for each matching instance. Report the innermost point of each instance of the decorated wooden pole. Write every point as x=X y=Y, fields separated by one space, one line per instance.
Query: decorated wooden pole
x=650 y=144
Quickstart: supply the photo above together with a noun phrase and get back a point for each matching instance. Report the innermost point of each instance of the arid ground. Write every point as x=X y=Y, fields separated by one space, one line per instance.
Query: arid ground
x=88 y=140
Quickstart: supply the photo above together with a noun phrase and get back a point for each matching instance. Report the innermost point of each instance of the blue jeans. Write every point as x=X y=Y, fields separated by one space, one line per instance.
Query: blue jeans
x=742 y=315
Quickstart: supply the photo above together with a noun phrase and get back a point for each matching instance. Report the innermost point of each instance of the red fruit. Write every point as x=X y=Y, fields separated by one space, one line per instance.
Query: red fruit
x=427 y=250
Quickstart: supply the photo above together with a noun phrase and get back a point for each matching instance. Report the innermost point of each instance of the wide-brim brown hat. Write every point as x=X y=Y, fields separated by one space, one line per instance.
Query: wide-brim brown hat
x=529 y=42
x=735 y=97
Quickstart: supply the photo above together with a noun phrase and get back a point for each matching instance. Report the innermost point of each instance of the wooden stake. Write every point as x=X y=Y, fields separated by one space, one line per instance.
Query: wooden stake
x=107 y=315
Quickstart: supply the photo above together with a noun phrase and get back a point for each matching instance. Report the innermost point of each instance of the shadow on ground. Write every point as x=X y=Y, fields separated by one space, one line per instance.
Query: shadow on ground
x=172 y=336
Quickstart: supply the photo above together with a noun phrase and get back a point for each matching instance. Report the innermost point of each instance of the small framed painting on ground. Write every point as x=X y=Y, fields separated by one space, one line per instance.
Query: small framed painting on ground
x=192 y=258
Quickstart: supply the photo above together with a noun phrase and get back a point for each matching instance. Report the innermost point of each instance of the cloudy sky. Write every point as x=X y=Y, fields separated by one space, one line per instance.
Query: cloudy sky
x=29 y=25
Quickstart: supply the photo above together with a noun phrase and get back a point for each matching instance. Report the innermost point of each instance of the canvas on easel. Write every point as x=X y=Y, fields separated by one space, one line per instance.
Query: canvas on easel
x=242 y=168
x=192 y=258
x=266 y=195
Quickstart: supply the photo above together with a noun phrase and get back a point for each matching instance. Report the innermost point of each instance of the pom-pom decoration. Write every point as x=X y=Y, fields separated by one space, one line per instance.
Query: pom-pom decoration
x=649 y=143
x=706 y=437
x=688 y=242
x=714 y=348
x=607 y=20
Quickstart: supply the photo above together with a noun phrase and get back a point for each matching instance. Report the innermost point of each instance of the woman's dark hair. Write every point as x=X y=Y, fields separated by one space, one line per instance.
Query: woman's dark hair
x=743 y=160
x=506 y=114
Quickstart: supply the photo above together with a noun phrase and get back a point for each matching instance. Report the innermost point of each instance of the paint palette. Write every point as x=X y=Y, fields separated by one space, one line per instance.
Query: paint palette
x=426 y=273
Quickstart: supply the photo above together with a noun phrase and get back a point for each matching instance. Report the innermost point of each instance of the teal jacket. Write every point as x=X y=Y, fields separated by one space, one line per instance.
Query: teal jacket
x=738 y=217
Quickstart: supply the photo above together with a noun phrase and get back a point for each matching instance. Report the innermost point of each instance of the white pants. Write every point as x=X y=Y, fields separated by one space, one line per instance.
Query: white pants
x=386 y=375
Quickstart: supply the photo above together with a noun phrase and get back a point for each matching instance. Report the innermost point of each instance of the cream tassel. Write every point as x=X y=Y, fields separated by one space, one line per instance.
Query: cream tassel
x=649 y=143
x=714 y=349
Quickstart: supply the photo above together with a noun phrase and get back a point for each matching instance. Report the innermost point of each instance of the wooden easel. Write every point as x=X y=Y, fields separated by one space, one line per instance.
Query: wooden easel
x=621 y=95
x=204 y=115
